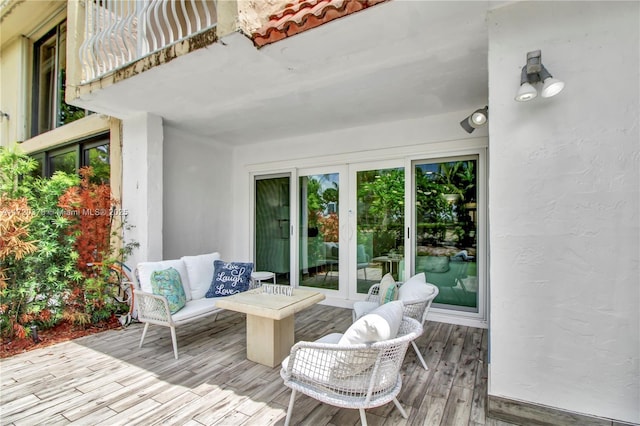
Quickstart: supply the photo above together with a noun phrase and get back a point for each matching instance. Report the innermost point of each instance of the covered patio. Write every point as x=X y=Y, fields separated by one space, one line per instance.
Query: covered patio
x=106 y=379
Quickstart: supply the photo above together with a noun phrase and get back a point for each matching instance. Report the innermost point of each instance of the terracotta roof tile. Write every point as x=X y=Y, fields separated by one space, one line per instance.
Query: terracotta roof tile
x=302 y=15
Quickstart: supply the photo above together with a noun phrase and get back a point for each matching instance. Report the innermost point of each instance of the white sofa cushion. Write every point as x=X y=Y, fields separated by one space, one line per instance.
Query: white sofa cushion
x=194 y=308
x=145 y=269
x=200 y=271
x=415 y=288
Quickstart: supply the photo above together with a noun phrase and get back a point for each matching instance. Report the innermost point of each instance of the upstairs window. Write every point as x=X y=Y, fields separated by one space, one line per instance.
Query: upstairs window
x=94 y=152
x=49 y=110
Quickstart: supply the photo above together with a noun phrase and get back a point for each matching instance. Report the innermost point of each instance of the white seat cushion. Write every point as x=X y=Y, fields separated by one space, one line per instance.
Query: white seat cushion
x=200 y=271
x=194 y=308
x=145 y=269
x=416 y=288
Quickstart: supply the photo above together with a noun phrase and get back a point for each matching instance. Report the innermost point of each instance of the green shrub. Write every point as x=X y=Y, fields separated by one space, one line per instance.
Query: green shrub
x=44 y=276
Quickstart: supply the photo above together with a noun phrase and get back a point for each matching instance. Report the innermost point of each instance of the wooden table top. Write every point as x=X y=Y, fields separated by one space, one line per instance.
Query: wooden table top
x=273 y=306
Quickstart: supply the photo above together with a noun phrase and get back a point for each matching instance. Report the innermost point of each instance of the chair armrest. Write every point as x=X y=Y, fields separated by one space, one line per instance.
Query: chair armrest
x=321 y=363
x=152 y=307
x=373 y=295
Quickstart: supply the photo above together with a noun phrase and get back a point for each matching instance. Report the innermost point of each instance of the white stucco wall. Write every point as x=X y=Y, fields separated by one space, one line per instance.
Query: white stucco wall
x=13 y=85
x=197 y=195
x=142 y=194
x=564 y=209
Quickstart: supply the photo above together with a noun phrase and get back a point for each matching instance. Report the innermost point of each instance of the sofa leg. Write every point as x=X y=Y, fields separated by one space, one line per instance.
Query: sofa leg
x=144 y=333
x=174 y=341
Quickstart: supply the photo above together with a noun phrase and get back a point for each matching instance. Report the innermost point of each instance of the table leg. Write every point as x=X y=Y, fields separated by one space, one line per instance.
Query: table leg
x=269 y=341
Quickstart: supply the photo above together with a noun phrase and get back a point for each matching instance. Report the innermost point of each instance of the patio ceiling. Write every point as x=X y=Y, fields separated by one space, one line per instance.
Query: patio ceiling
x=396 y=60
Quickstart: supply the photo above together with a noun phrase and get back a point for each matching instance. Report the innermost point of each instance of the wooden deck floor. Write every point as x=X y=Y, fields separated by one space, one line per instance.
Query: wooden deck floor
x=105 y=379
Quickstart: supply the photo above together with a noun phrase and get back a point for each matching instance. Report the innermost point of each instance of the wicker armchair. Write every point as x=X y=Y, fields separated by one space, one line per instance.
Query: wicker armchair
x=358 y=376
x=416 y=309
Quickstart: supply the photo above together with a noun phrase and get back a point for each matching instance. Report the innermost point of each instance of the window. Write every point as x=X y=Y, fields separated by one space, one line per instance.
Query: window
x=92 y=152
x=64 y=161
x=49 y=110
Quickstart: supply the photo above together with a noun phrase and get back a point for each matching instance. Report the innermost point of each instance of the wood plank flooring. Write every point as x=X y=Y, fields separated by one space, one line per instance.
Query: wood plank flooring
x=105 y=379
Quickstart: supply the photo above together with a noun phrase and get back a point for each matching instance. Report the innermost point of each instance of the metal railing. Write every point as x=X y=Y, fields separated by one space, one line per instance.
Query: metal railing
x=119 y=32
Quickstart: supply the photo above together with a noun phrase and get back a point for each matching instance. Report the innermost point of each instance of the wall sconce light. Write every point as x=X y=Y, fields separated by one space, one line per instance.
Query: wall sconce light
x=477 y=119
x=534 y=72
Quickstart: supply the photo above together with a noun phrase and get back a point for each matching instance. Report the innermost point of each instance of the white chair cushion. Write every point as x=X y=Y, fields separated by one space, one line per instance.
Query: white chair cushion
x=145 y=269
x=200 y=271
x=194 y=308
x=415 y=288
x=388 y=290
x=380 y=324
x=362 y=307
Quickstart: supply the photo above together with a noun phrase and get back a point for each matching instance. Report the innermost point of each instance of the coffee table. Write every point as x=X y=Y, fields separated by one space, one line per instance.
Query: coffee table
x=270 y=321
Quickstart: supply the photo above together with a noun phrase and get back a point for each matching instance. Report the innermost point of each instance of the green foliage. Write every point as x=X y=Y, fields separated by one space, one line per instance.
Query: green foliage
x=47 y=285
x=381 y=208
x=40 y=280
x=66 y=113
x=15 y=172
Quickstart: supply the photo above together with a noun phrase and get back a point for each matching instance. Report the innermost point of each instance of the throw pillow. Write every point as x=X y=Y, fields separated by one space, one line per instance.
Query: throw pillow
x=200 y=271
x=229 y=278
x=145 y=269
x=388 y=291
x=416 y=288
x=167 y=283
x=381 y=324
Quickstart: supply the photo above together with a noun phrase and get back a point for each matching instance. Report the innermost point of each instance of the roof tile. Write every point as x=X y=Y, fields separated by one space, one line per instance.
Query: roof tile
x=303 y=15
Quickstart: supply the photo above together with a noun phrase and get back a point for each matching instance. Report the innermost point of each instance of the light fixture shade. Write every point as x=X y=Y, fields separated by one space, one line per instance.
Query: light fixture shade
x=526 y=92
x=479 y=117
x=551 y=87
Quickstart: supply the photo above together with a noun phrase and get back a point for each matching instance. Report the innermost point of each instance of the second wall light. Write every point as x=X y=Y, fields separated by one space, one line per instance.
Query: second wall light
x=534 y=72
x=478 y=118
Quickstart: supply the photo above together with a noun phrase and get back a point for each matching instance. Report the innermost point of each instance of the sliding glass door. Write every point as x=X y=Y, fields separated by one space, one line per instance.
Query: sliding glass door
x=340 y=229
x=379 y=240
x=445 y=240
x=272 y=225
x=319 y=232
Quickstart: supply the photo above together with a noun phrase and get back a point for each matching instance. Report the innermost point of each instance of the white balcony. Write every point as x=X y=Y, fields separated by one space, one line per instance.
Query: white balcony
x=119 y=32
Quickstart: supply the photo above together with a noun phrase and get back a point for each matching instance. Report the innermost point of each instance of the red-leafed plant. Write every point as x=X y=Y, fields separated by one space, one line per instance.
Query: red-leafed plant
x=89 y=206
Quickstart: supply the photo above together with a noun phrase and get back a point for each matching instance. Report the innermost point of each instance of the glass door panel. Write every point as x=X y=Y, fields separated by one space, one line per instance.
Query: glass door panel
x=446 y=229
x=379 y=225
x=319 y=233
x=272 y=228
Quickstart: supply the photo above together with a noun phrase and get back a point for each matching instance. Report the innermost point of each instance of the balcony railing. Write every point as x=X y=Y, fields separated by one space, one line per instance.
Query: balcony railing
x=119 y=32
